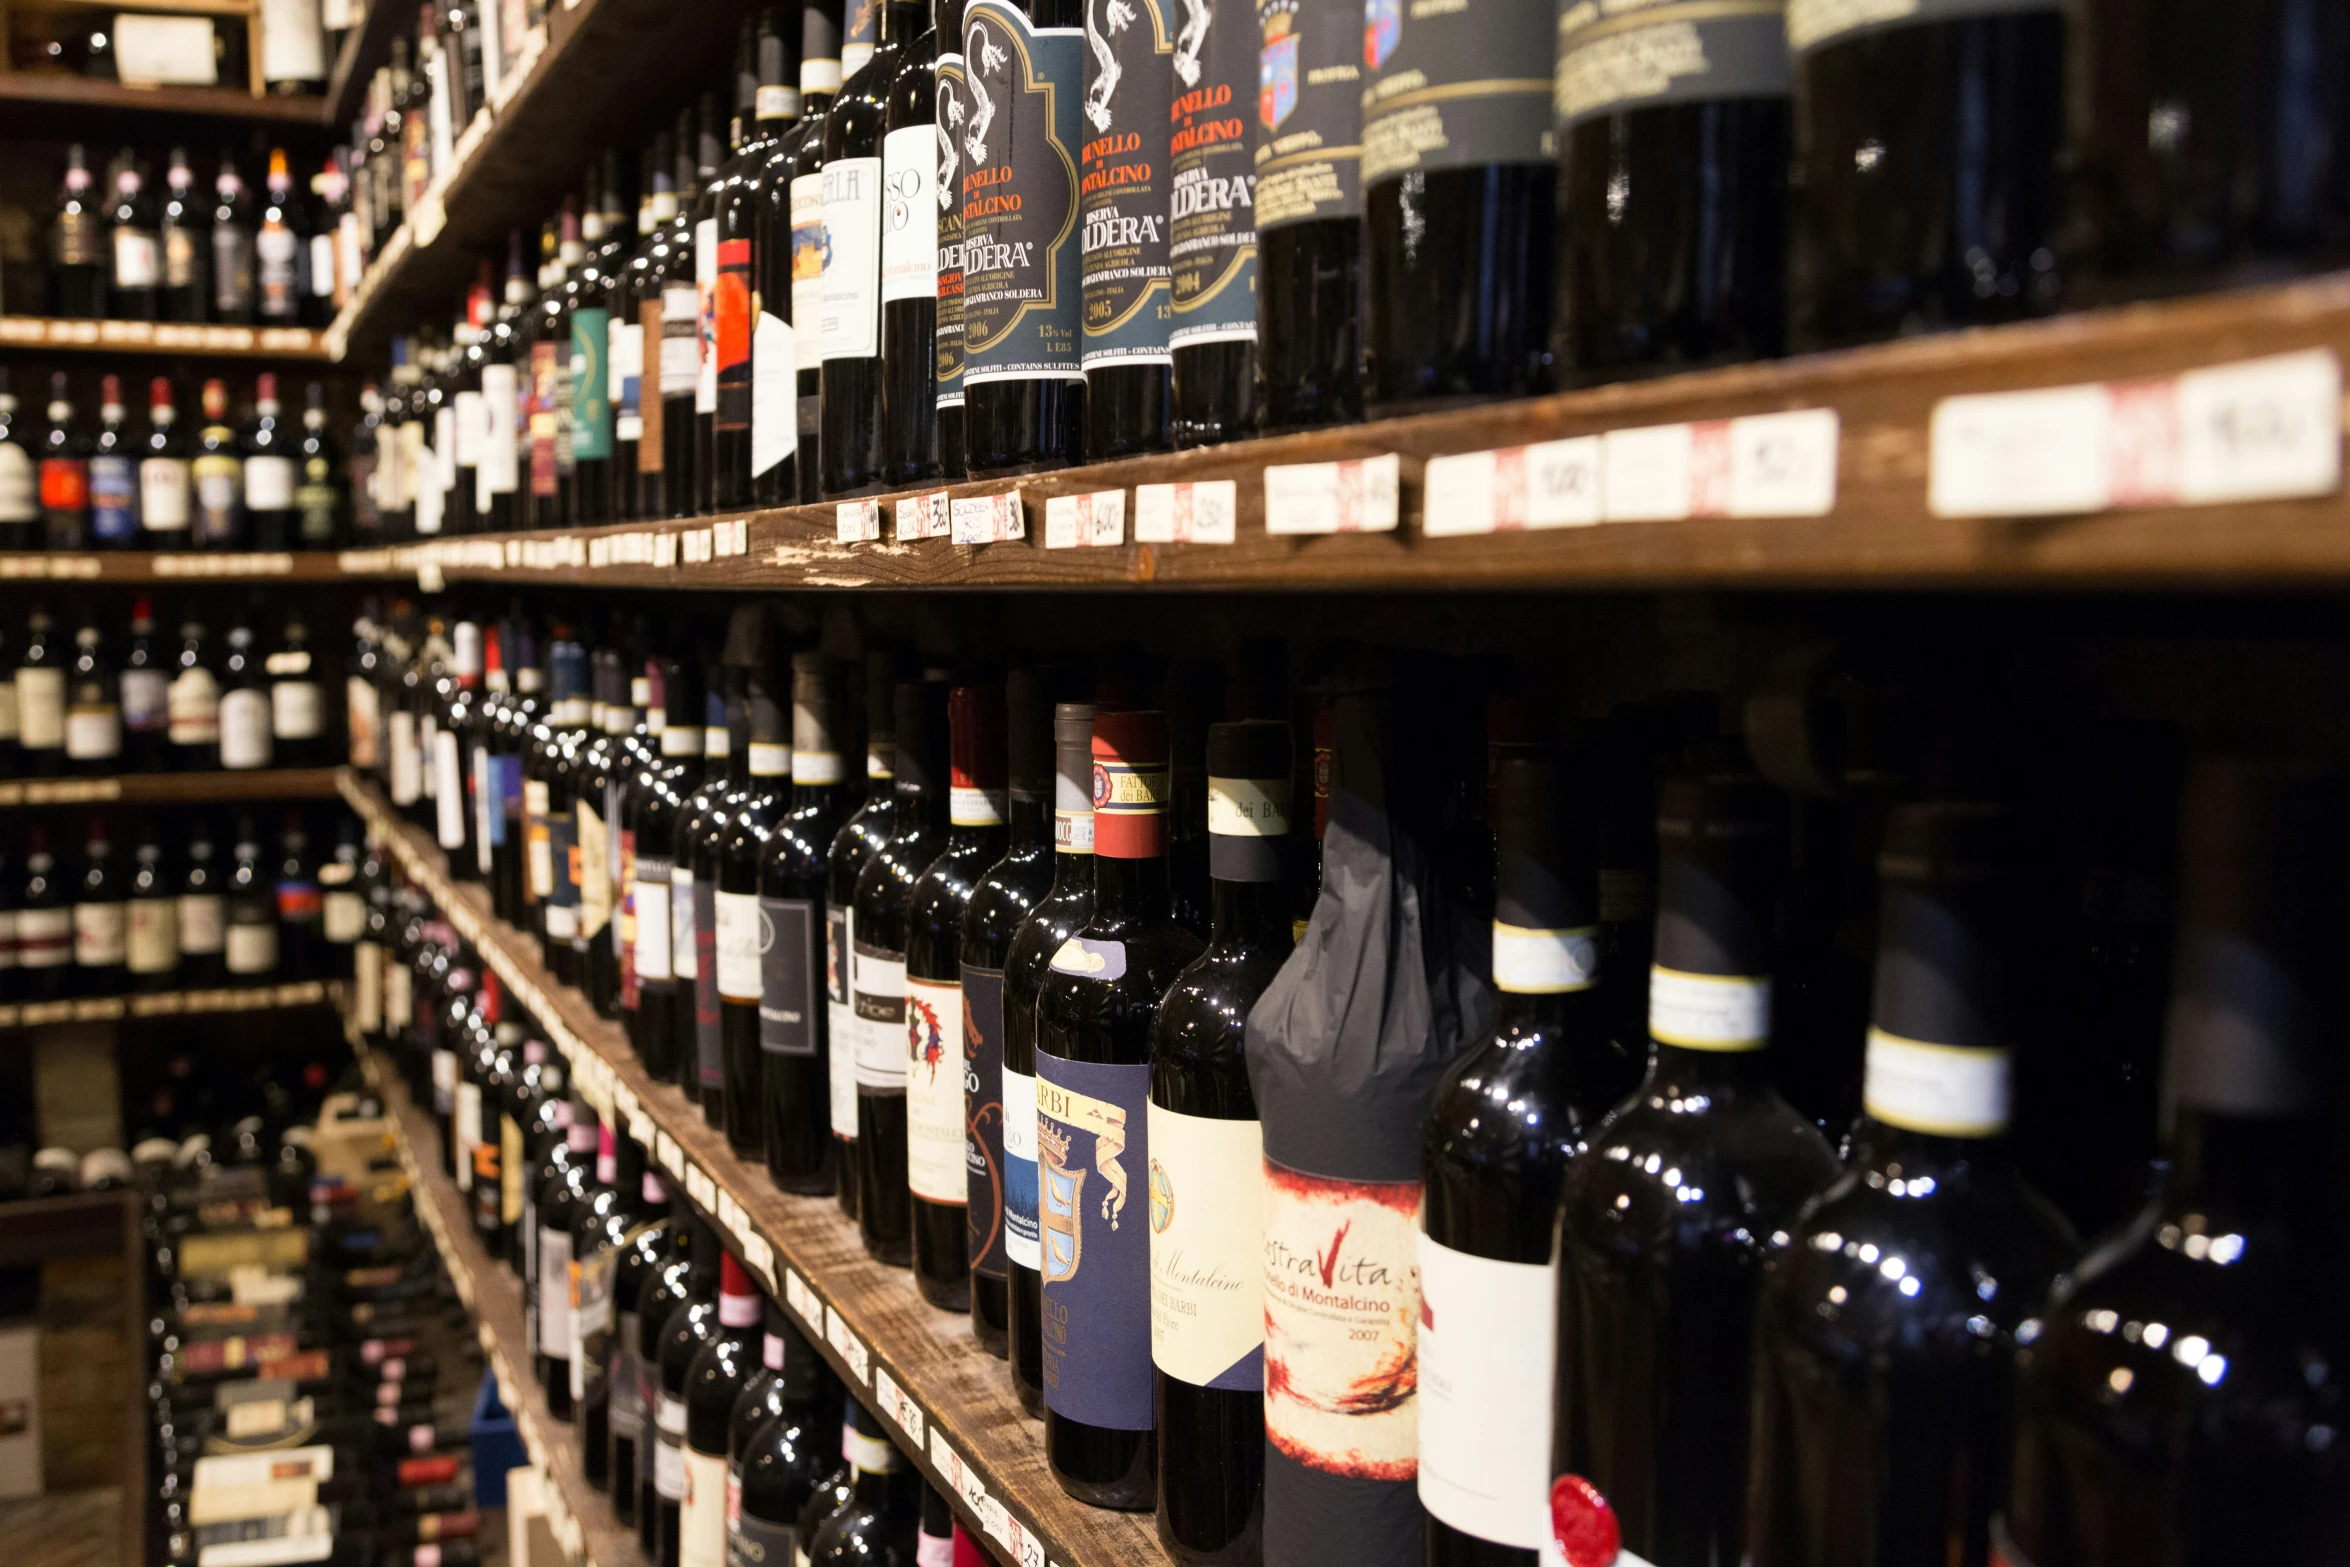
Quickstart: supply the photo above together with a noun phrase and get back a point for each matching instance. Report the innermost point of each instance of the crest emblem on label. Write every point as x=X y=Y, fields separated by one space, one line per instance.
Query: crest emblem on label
x=1277 y=81
x=1382 y=31
x=1059 y=1191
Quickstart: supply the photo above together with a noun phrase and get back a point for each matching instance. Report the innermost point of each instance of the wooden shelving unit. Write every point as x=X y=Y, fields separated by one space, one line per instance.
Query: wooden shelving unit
x=947 y=1402
x=287 y=783
x=171 y=1003
x=140 y=568
x=36 y=97
x=172 y=339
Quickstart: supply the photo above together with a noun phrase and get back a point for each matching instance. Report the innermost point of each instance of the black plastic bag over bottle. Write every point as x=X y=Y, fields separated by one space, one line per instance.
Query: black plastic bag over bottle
x=1345 y=1050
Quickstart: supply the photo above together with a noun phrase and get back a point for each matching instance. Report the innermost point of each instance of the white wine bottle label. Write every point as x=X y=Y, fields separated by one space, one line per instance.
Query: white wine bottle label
x=1486 y=1360
x=669 y=1448
x=193 y=709
x=972 y=807
x=684 y=950
x=849 y=326
x=1020 y=1228
x=296 y=711
x=501 y=460
x=166 y=500
x=1022 y=285
x=146 y=701
x=538 y=845
x=1530 y=962
x=269 y=484
x=741 y=937
x=909 y=214
x=153 y=936
x=840 y=1015
x=1684 y=51
x=1207 y=1193
x=595 y=870
x=252 y=949
x=935 y=1164
x=44 y=938
x=1309 y=128
x=775 y=392
x=93 y=734
x=1122 y=185
x=807 y=270
x=651 y=905
x=203 y=926
x=101 y=934
x=705 y=315
x=1942 y=1090
x=1708 y=1011
x=40 y=709
x=878 y=993
x=19 y=496
x=554 y=1260
x=244 y=729
x=1093 y=1156
x=1342 y=1308
x=1454 y=86
x=701 y=1531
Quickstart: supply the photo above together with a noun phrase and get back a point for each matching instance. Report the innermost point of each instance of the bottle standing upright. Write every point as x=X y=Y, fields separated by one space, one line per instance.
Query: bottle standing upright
x=742 y=938
x=218 y=474
x=20 y=504
x=65 y=472
x=911 y=152
x=1123 y=206
x=1309 y=209
x=136 y=286
x=78 y=267
x=849 y=446
x=114 y=482
x=270 y=510
x=166 y=488
x=950 y=113
x=776 y=349
x=797 y=1023
x=1219 y=390
x=854 y=845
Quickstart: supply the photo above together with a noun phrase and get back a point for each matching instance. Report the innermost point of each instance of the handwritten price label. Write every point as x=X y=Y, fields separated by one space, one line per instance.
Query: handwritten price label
x=898 y=1405
x=924 y=517
x=989 y=519
x=802 y=1300
x=838 y=1334
x=1085 y=521
x=1194 y=513
x=1333 y=497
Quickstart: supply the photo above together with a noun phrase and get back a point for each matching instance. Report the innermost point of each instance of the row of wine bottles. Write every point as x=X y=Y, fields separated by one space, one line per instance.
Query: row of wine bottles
x=230 y=703
x=143 y=908
x=992 y=249
x=1613 y=1200
x=269 y=482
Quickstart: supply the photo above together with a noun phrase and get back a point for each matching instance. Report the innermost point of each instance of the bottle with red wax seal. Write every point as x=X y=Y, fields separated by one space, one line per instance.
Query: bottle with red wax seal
x=1094 y=1016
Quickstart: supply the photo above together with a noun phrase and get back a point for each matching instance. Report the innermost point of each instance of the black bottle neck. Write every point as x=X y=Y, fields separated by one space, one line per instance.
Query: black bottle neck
x=1675 y=1071
x=916 y=806
x=813 y=796
x=1130 y=891
x=2248 y=1166
x=1253 y=916
x=1031 y=821
x=902 y=21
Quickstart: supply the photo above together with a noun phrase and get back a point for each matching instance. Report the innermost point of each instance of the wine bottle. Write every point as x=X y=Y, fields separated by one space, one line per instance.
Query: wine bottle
x=601 y=1234
x=77 y=245
x=783 y=1461
x=630 y=786
x=1023 y=366
x=636 y=303
x=549 y=386
x=1207 y=1152
x=593 y=788
x=1651 y=1432
x=690 y=1324
x=854 y=846
x=300 y=901
x=144 y=695
x=280 y=248
x=721 y=149
x=1309 y=206
x=850 y=443
x=655 y=806
x=1027 y=964
x=151 y=944
x=44 y=922
x=114 y=484
x=877 y=1523
x=911 y=154
x=797 y=1024
x=937 y=1169
x=498 y=476
x=456 y=743
x=698 y=155
x=93 y=708
x=244 y=703
x=1925 y=172
x=649 y=1249
x=712 y=1381
x=270 y=513
x=20 y=504
x=742 y=937
x=775 y=347
x=1218 y=379
x=820 y=85
x=202 y=913
x=250 y=910
x=297 y=701
x=1123 y=206
x=318 y=499
x=217 y=473
x=1688 y=268
x=1094 y=1016
x=772 y=111
x=186 y=290
x=135 y=272
x=835 y=1490
x=2197 y=1436
x=610 y=237
x=553 y=809
x=1000 y=902
x=40 y=683
x=65 y=472
x=1902 y=1374
x=700 y=839
x=950 y=112
x=101 y=916
x=166 y=494
x=877 y=983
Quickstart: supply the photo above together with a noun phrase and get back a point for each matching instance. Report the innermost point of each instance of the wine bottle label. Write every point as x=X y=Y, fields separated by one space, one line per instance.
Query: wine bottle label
x=300 y=903
x=730 y=341
x=220 y=497
x=807 y=269
x=669 y=1448
x=651 y=910
x=936 y=1169
x=228 y=1473
x=1531 y=962
x=627 y=1409
x=19 y=495
x=1691 y=51
x=934 y=1550
x=44 y=938
x=595 y=870
x=860 y=38
x=138 y=261
x=152 y=942
x=983 y=1120
x=909 y=213
x=705 y=304
x=562 y=911
x=840 y=1015
x=1129 y=809
x=538 y=847
x=740 y=937
x=1207 y=1180
x=471 y=429
x=500 y=470
x=878 y=993
x=1212 y=222
x=8 y=720
x=849 y=325
x=701 y=1532
x=1486 y=1357
x=101 y=934
x=345 y=916
x=252 y=949
x=554 y=1292
x=1708 y=1011
x=40 y=709
x=296 y=710
x=164 y=495
x=1341 y=1307
x=755 y=1542
x=114 y=498
x=539 y=418
x=651 y=362
x=954 y=112
x=782 y=969
x=1309 y=129
x=1942 y=1090
x=448 y=792
x=1023 y=289
x=775 y=424
x=1454 y=86
x=709 y=1039
x=683 y=954
x=193 y=706
x=591 y=384
x=513 y=1175
x=269 y=484
x=1122 y=184
x=1072 y=831
x=244 y=729
x=203 y=927
x=1094 y=1240
x=627 y=372
x=1811 y=23
x=93 y=732
x=146 y=697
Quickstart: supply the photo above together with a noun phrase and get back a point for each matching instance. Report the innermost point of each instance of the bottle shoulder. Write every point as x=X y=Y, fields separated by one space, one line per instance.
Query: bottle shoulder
x=1668 y=1165
x=1002 y=900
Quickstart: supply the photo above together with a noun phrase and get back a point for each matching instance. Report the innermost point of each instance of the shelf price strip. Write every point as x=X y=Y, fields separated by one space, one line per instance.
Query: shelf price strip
x=2254 y=430
x=1197 y=512
x=926 y=516
x=1093 y=520
x=1355 y=496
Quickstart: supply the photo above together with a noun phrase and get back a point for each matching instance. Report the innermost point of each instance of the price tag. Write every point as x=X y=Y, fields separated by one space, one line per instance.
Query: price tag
x=1551 y=484
x=599 y=554
x=964 y=1481
x=759 y=1257
x=1026 y=1548
x=701 y=1188
x=1357 y=496
x=1193 y=513
x=850 y=1348
x=988 y=519
x=1766 y=465
x=664 y=551
x=857 y=522
x=734 y=538
x=671 y=1157
x=1085 y=521
x=895 y=1403
x=802 y=1300
x=427 y=218
x=924 y=517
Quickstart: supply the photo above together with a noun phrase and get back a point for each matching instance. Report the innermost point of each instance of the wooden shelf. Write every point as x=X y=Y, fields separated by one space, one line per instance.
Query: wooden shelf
x=945 y=1400
x=1879 y=528
x=603 y=64
x=139 y=568
x=581 y=1519
x=48 y=92
x=83 y=1224
x=171 y=1003
x=163 y=338
x=218 y=788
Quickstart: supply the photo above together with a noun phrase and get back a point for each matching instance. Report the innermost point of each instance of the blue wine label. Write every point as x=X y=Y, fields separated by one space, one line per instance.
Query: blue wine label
x=1022 y=292
x=1122 y=182
x=1212 y=211
x=114 y=499
x=983 y=1113
x=1093 y=1215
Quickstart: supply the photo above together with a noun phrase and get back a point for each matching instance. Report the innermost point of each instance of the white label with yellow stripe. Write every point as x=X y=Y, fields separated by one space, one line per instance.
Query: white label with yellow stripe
x=1942 y=1090
x=1709 y=1011
x=1531 y=962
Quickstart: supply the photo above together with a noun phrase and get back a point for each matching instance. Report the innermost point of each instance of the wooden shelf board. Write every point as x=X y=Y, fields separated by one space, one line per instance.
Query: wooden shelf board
x=57 y=90
x=82 y=1224
x=214 y=788
x=142 y=568
x=1880 y=532
x=170 y=1003
x=174 y=339
x=966 y=1406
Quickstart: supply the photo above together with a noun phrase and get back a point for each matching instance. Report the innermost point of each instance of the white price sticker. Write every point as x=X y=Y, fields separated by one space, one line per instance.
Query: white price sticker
x=857 y=522
x=701 y=1188
x=1764 y=465
x=1551 y=484
x=671 y=1157
x=898 y=1405
x=1085 y=521
x=924 y=517
x=988 y=519
x=664 y=550
x=1191 y=513
x=599 y=554
x=1357 y=496
x=759 y=1257
x=734 y=538
x=848 y=1345
x=802 y=1300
